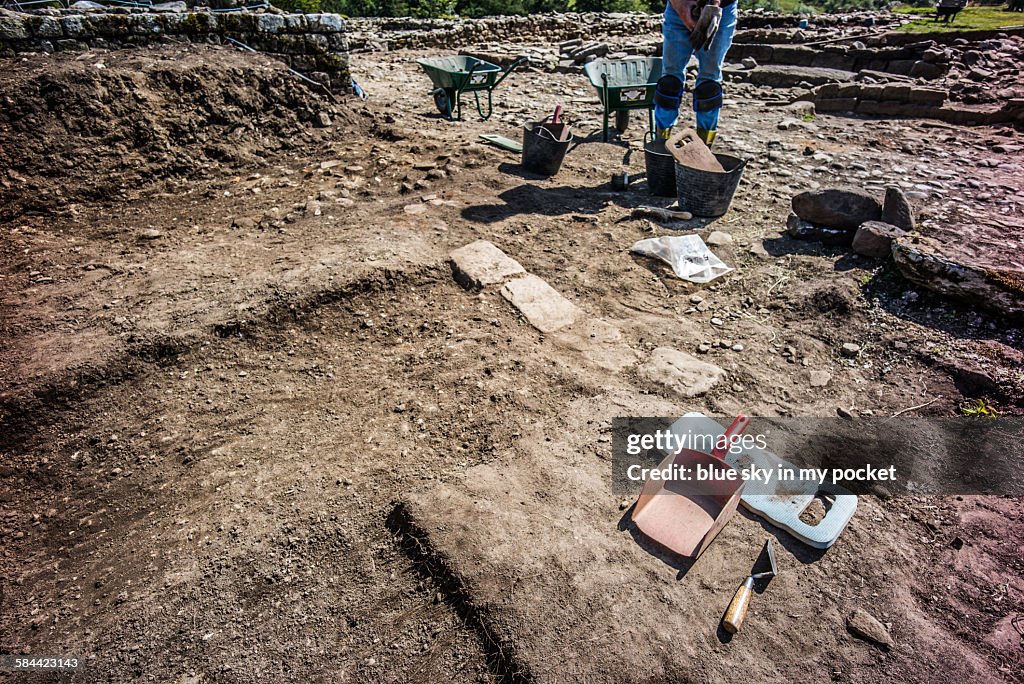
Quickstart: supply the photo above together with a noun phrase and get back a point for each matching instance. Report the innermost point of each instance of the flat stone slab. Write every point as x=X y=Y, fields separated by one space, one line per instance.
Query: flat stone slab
x=480 y=264
x=542 y=305
x=599 y=343
x=997 y=289
x=685 y=375
x=788 y=76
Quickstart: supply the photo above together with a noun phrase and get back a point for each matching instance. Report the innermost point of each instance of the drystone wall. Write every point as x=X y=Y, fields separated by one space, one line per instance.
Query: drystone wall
x=313 y=44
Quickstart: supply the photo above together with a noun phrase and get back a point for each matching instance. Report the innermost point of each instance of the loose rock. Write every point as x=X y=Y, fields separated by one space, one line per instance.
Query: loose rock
x=686 y=375
x=480 y=263
x=863 y=625
x=896 y=209
x=839 y=208
x=799 y=229
x=874 y=239
x=718 y=239
x=819 y=378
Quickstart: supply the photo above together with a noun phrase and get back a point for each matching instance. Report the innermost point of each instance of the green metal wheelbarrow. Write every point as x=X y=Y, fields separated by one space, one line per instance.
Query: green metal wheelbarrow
x=624 y=85
x=458 y=74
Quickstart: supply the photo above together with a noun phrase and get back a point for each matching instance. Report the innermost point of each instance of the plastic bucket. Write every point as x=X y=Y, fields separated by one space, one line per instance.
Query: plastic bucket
x=661 y=167
x=708 y=193
x=543 y=152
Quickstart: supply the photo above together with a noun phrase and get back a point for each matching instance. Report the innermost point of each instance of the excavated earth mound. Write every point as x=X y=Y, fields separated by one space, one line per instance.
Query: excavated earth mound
x=109 y=123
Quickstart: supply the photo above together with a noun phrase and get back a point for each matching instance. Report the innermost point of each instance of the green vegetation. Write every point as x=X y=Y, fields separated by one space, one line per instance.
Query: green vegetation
x=980 y=410
x=987 y=18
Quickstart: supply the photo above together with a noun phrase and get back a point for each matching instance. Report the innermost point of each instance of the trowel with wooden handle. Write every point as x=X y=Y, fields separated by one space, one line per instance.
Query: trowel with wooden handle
x=737 y=609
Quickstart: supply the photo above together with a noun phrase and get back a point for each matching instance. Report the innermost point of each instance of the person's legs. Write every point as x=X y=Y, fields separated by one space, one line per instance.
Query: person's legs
x=707 y=93
x=676 y=52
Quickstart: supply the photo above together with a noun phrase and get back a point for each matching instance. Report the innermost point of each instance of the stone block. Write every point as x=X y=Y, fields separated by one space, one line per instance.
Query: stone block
x=145 y=24
x=74 y=26
x=13 y=28
x=928 y=96
x=271 y=24
x=481 y=263
x=896 y=209
x=839 y=104
x=540 y=304
x=682 y=373
x=325 y=23
x=48 y=27
x=874 y=239
x=842 y=208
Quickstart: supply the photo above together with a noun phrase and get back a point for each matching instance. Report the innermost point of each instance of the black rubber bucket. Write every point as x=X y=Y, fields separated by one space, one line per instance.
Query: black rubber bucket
x=543 y=152
x=661 y=167
x=708 y=193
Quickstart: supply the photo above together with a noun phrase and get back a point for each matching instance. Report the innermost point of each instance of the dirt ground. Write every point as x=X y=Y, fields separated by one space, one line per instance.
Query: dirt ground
x=234 y=362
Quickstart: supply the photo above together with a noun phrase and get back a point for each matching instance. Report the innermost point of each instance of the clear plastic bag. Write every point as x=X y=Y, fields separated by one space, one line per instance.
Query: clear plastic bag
x=688 y=256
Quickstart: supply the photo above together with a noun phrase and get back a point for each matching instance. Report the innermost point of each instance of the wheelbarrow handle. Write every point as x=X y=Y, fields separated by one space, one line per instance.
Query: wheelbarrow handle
x=731 y=435
x=525 y=59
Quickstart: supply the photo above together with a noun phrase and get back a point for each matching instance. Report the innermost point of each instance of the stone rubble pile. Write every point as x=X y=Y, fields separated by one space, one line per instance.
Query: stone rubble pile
x=576 y=52
x=854 y=218
x=851 y=217
x=983 y=72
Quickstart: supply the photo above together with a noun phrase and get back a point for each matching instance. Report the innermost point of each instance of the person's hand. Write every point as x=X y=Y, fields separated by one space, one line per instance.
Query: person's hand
x=707 y=27
x=687 y=10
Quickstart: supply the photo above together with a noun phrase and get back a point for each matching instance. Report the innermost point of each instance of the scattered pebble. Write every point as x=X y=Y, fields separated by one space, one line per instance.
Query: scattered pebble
x=820 y=378
x=719 y=239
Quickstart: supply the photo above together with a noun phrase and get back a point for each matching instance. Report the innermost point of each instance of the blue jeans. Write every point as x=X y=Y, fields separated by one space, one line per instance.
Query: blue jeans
x=677 y=51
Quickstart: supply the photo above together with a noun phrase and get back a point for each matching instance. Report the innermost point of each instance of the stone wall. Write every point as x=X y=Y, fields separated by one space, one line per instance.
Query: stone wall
x=314 y=44
x=909 y=100
x=915 y=59
x=399 y=33
x=368 y=34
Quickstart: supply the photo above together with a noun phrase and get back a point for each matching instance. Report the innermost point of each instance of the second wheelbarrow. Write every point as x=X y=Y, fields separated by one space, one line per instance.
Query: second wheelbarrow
x=458 y=74
x=624 y=85
x=685 y=513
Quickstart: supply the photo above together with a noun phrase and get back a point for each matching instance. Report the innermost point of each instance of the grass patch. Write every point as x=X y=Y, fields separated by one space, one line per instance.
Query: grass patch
x=969 y=19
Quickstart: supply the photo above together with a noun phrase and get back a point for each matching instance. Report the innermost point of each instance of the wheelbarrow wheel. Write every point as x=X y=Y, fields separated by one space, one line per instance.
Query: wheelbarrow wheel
x=444 y=99
x=622 y=120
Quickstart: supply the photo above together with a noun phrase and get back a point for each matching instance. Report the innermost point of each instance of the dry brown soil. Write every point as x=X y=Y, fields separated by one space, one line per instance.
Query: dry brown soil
x=235 y=369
